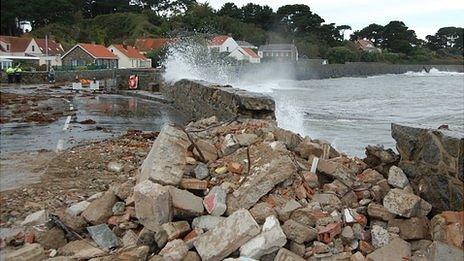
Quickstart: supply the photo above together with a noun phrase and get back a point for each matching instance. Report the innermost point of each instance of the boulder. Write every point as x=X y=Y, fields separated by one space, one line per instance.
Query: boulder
x=207 y=149
x=100 y=209
x=380 y=236
x=405 y=204
x=229 y=145
x=269 y=240
x=227 y=236
x=438 y=251
x=174 y=250
x=378 y=211
x=413 y=228
x=201 y=171
x=397 y=178
x=215 y=201
x=166 y=162
x=176 y=229
x=206 y=222
x=78 y=208
x=152 y=204
x=274 y=167
x=185 y=204
x=261 y=211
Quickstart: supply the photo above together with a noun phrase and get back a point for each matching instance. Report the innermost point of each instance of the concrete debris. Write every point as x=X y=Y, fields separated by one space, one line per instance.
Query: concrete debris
x=215 y=201
x=397 y=178
x=100 y=209
x=287 y=255
x=76 y=209
x=152 y=204
x=29 y=252
x=36 y=218
x=269 y=240
x=206 y=222
x=243 y=173
x=166 y=162
x=227 y=236
x=405 y=204
x=174 y=250
x=201 y=171
x=103 y=236
x=298 y=232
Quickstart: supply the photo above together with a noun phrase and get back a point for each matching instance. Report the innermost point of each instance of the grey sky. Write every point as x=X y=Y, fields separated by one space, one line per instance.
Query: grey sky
x=424 y=16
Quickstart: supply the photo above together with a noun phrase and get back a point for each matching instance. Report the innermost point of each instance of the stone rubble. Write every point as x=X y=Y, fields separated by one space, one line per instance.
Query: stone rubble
x=243 y=190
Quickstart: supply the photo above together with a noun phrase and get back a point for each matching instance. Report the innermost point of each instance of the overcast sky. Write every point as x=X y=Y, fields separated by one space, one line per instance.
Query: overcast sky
x=424 y=16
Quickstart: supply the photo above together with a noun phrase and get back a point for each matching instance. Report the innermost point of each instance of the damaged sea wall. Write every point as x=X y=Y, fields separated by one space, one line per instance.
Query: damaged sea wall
x=199 y=99
x=434 y=163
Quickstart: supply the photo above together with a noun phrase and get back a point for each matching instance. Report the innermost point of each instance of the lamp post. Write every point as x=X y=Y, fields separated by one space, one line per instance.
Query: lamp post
x=46 y=51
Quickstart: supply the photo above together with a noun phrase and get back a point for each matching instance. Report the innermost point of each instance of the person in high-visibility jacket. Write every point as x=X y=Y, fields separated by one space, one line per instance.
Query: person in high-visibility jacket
x=17 y=73
x=10 y=73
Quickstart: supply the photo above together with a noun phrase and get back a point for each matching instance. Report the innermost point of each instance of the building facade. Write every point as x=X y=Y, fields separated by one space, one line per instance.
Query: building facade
x=90 y=54
x=129 y=56
x=278 y=52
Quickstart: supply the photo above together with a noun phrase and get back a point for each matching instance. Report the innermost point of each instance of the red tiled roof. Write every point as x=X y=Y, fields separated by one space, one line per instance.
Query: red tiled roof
x=251 y=52
x=148 y=44
x=54 y=48
x=98 y=51
x=365 y=44
x=129 y=51
x=17 y=44
x=219 y=40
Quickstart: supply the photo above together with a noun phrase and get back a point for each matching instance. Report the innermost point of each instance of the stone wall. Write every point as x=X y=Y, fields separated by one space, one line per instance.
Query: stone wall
x=77 y=54
x=199 y=99
x=434 y=163
x=304 y=71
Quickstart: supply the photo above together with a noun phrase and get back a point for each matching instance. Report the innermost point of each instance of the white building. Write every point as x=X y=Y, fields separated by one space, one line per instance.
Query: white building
x=129 y=56
x=225 y=43
x=30 y=49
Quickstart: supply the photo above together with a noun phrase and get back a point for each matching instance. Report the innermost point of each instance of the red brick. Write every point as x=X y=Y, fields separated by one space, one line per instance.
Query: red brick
x=327 y=233
x=194 y=184
x=365 y=247
x=235 y=167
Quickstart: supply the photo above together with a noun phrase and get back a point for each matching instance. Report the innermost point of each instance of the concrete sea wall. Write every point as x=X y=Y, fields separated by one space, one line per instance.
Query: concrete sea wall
x=433 y=160
x=199 y=99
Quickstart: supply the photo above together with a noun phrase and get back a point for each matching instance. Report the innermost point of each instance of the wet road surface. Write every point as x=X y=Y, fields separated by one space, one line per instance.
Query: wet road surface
x=113 y=114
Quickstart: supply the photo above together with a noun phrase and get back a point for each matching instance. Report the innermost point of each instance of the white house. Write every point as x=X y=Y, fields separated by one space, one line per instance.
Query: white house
x=30 y=49
x=245 y=54
x=223 y=43
x=129 y=56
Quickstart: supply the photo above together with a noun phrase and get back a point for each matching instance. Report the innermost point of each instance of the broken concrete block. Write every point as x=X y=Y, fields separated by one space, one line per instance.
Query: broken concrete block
x=152 y=204
x=103 y=236
x=76 y=209
x=327 y=233
x=397 y=178
x=229 y=145
x=413 y=228
x=378 y=211
x=208 y=150
x=397 y=249
x=176 y=229
x=81 y=250
x=307 y=148
x=286 y=210
x=206 y=222
x=129 y=239
x=269 y=240
x=166 y=162
x=36 y=218
x=119 y=208
x=174 y=250
x=235 y=167
x=326 y=199
x=405 y=204
x=274 y=167
x=290 y=139
x=438 y=251
x=380 y=236
x=191 y=256
x=287 y=255
x=347 y=234
x=52 y=238
x=114 y=166
x=29 y=252
x=194 y=184
x=261 y=211
x=201 y=171
x=138 y=253
x=307 y=216
x=298 y=232
x=246 y=139
x=185 y=204
x=227 y=236
x=190 y=238
x=215 y=201
x=100 y=209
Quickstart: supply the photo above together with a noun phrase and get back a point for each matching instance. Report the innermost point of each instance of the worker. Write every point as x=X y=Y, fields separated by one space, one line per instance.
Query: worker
x=51 y=75
x=10 y=73
x=17 y=73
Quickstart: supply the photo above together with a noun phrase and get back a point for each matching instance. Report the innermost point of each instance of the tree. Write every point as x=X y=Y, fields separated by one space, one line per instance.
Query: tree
x=262 y=16
x=342 y=54
x=446 y=37
x=398 y=38
x=298 y=19
x=342 y=29
x=230 y=10
x=373 y=33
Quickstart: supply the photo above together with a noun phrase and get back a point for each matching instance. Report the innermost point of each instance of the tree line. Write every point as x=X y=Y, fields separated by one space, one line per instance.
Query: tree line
x=115 y=21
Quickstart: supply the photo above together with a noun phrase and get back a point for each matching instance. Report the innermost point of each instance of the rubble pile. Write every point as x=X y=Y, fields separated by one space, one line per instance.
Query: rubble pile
x=247 y=190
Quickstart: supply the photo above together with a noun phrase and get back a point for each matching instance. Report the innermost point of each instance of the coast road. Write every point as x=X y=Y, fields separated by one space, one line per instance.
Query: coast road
x=38 y=122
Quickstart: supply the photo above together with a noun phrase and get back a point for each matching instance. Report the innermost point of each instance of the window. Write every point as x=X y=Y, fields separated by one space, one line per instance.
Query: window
x=227 y=48
x=7 y=47
x=33 y=48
